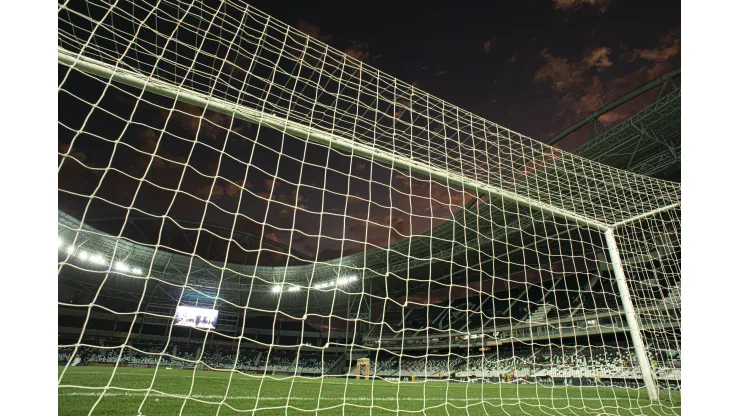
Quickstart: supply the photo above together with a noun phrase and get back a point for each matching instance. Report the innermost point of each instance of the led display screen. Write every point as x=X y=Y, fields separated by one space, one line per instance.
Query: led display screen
x=196 y=317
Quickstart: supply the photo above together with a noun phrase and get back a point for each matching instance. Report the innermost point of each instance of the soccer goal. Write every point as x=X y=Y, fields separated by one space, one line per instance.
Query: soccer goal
x=247 y=216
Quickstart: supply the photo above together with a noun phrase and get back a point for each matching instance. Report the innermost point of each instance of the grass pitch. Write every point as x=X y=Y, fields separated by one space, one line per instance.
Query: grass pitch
x=135 y=391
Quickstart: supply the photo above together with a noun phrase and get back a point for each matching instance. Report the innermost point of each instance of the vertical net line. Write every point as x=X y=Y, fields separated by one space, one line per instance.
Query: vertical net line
x=378 y=347
x=596 y=311
x=428 y=320
x=477 y=312
x=349 y=319
x=310 y=283
x=481 y=243
x=541 y=269
x=554 y=282
x=465 y=241
x=264 y=223
x=323 y=195
x=296 y=373
x=449 y=305
x=388 y=252
x=493 y=297
x=236 y=216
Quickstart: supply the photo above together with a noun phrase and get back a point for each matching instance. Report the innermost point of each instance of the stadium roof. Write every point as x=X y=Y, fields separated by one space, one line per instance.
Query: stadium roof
x=647 y=143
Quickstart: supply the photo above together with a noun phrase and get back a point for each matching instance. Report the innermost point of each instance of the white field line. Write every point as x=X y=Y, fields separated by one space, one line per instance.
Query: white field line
x=221 y=396
x=315 y=380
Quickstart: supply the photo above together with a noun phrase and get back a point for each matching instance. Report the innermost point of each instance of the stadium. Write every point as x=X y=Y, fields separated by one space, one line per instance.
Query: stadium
x=251 y=221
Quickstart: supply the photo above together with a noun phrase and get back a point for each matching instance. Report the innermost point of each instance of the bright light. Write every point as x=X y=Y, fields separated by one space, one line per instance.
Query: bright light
x=83 y=255
x=97 y=259
x=321 y=285
x=60 y=242
x=342 y=281
x=293 y=288
x=136 y=270
x=276 y=289
x=121 y=267
x=71 y=250
x=353 y=278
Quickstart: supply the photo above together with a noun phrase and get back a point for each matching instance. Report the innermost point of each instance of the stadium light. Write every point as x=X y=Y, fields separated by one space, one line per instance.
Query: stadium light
x=97 y=259
x=294 y=288
x=83 y=255
x=342 y=281
x=136 y=270
x=71 y=250
x=353 y=278
x=60 y=242
x=121 y=267
x=276 y=289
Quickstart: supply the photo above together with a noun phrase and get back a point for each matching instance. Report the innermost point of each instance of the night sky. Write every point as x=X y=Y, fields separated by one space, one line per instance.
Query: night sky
x=532 y=66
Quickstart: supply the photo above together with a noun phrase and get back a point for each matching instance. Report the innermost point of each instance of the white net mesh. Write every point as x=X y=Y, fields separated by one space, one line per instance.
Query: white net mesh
x=213 y=157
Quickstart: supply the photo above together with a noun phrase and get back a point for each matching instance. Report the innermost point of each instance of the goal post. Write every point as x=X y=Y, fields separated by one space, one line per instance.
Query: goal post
x=629 y=312
x=244 y=210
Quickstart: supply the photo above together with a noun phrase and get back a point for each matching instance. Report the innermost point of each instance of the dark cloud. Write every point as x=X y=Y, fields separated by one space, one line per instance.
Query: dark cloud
x=296 y=196
x=488 y=45
x=214 y=192
x=358 y=50
x=270 y=183
x=598 y=58
x=669 y=47
x=313 y=31
x=231 y=190
x=560 y=72
x=80 y=156
x=585 y=86
x=600 y=5
x=356 y=199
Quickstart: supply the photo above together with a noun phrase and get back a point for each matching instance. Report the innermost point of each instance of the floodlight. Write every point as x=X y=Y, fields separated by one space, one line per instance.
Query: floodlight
x=83 y=255
x=71 y=250
x=342 y=281
x=293 y=288
x=136 y=270
x=276 y=289
x=97 y=259
x=60 y=242
x=121 y=266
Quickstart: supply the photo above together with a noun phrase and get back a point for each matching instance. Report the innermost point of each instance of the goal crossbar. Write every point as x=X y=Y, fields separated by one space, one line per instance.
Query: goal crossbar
x=131 y=78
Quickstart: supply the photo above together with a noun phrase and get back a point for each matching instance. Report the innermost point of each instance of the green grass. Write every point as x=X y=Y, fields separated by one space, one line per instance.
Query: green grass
x=300 y=396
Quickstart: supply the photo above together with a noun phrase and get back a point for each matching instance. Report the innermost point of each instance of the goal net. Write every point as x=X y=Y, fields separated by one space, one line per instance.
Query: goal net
x=249 y=219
